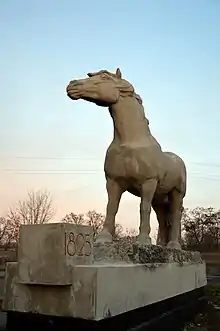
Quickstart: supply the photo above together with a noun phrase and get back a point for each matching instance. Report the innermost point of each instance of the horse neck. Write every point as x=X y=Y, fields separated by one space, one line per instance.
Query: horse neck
x=130 y=125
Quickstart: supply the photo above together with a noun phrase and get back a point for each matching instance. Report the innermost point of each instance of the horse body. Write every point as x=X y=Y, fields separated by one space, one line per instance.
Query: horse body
x=131 y=166
x=134 y=160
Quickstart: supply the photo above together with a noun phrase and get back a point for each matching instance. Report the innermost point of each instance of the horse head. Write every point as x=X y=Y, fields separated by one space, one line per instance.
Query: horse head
x=102 y=88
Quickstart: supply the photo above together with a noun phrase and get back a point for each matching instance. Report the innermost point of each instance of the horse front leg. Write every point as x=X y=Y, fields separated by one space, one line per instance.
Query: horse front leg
x=114 y=192
x=148 y=189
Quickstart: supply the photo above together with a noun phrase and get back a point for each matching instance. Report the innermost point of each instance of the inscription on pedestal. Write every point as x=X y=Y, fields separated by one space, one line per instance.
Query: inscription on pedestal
x=78 y=244
x=47 y=253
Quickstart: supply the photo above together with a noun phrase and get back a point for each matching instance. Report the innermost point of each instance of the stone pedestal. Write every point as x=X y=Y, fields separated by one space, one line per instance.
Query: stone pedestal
x=60 y=272
x=48 y=252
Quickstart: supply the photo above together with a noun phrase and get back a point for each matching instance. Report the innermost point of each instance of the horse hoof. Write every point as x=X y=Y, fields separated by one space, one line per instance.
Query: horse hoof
x=174 y=245
x=143 y=239
x=103 y=237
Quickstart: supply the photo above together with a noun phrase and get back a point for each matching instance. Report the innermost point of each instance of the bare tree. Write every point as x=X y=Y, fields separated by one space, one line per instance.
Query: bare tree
x=91 y=218
x=201 y=227
x=9 y=228
x=96 y=221
x=3 y=228
x=74 y=218
x=36 y=209
x=119 y=231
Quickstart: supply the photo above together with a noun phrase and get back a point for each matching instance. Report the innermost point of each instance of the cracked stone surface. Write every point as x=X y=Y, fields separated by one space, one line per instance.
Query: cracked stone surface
x=129 y=251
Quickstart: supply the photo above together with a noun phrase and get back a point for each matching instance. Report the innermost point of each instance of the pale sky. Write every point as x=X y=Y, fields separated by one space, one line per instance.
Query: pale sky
x=169 y=50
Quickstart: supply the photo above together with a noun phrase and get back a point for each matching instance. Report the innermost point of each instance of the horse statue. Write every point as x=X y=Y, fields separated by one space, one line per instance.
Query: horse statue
x=134 y=160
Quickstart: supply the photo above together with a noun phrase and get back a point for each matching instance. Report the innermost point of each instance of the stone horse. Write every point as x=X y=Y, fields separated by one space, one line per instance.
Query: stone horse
x=134 y=160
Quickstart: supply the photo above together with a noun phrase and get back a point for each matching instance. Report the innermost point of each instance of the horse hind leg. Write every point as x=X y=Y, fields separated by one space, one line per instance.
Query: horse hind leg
x=163 y=231
x=176 y=206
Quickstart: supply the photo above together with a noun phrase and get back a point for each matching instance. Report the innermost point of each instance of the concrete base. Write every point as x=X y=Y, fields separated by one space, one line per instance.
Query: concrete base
x=171 y=314
x=103 y=290
x=61 y=273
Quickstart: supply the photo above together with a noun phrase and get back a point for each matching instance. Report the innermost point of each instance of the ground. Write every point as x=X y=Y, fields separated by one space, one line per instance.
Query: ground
x=210 y=320
x=212 y=262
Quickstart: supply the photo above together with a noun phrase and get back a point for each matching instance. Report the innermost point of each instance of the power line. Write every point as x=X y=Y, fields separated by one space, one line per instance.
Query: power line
x=49 y=173
x=52 y=170
x=89 y=172
x=206 y=164
x=203 y=164
x=50 y=157
x=208 y=178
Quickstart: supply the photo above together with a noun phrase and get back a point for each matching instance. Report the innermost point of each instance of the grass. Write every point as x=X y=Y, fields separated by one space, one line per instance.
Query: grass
x=213 y=294
x=212 y=260
x=210 y=320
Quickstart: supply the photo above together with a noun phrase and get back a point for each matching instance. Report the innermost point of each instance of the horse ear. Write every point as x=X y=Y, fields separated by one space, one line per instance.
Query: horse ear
x=118 y=73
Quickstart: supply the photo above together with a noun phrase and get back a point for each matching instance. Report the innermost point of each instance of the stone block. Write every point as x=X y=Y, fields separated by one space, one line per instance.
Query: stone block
x=48 y=252
x=75 y=300
x=138 y=285
x=102 y=290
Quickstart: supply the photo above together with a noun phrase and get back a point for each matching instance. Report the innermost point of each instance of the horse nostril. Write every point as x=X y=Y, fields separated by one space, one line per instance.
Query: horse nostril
x=74 y=82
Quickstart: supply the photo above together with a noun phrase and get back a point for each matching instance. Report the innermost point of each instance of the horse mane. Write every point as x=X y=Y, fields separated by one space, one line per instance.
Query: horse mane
x=91 y=74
